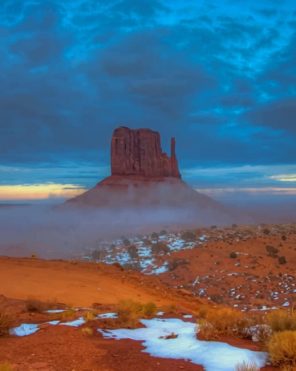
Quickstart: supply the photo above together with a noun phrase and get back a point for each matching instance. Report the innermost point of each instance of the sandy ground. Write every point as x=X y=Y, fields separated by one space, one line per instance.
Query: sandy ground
x=78 y=284
x=75 y=283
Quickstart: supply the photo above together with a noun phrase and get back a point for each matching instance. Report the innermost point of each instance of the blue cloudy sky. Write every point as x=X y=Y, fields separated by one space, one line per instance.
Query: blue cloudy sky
x=219 y=75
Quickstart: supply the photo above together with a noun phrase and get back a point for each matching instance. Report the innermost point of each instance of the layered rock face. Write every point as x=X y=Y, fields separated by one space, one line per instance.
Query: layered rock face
x=139 y=153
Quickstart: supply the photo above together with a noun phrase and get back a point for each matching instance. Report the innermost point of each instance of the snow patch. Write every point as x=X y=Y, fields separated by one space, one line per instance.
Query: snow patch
x=76 y=323
x=24 y=329
x=107 y=315
x=213 y=356
x=53 y=323
x=55 y=311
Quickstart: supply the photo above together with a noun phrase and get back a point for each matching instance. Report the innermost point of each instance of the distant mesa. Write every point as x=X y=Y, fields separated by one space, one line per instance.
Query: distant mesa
x=142 y=175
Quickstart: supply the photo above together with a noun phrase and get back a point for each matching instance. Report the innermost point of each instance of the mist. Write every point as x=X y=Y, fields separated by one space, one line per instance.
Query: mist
x=52 y=232
x=65 y=231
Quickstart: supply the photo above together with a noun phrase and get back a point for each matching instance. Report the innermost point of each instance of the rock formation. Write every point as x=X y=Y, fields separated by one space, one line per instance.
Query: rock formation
x=139 y=153
x=143 y=176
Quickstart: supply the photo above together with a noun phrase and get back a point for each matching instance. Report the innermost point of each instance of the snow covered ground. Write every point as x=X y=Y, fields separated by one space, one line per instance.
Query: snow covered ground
x=141 y=252
x=170 y=338
x=213 y=356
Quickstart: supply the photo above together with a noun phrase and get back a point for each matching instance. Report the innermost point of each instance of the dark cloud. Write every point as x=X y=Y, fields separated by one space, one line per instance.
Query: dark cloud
x=279 y=115
x=219 y=78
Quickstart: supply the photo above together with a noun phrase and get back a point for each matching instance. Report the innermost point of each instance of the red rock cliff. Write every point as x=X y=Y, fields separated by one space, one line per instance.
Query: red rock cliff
x=138 y=152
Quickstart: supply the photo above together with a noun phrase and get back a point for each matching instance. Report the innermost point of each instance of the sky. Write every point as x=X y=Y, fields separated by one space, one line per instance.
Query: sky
x=218 y=75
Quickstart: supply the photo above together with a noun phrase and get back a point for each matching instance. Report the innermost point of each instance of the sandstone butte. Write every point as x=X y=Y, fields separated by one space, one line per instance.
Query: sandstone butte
x=142 y=175
x=139 y=153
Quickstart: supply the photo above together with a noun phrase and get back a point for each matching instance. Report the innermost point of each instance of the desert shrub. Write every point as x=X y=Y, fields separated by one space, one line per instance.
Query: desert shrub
x=271 y=251
x=149 y=309
x=34 y=305
x=98 y=255
x=175 y=263
x=67 y=315
x=133 y=251
x=266 y=231
x=282 y=348
x=216 y=298
x=282 y=260
x=154 y=236
x=246 y=367
x=170 y=309
x=125 y=241
x=188 y=236
x=129 y=312
x=160 y=247
x=5 y=323
x=89 y=316
x=222 y=321
x=207 y=330
x=147 y=242
x=38 y=306
x=258 y=332
x=281 y=320
x=233 y=255
x=5 y=366
x=202 y=311
x=87 y=331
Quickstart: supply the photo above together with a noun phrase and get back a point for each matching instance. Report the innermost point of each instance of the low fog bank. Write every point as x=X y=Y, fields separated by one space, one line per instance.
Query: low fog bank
x=262 y=208
x=49 y=231
x=61 y=232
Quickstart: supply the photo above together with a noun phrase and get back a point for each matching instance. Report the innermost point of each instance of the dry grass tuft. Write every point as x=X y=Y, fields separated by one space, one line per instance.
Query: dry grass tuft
x=87 y=331
x=67 y=315
x=288 y=368
x=38 y=306
x=35 y=305
x=170 y=309
x=246 y=367
x=281 y=320
x=149 y=310
x=282 y=348
x=5 y=323
x=216 y=322
x=129 y=312
x=89 y=316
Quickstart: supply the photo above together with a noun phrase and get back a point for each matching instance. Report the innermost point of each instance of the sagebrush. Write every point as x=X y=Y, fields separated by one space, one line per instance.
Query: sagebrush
x=282 y=348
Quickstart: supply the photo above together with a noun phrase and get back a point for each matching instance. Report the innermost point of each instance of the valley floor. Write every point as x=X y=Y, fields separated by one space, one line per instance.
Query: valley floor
x=248 y=268
x=83 y=286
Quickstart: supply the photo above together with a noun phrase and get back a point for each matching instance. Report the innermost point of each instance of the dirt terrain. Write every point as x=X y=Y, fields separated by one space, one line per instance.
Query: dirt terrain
x=247 y=267
x=75 y=283
x=69 y=349
x=80 y=285
x=231 y=266
x=254 y=273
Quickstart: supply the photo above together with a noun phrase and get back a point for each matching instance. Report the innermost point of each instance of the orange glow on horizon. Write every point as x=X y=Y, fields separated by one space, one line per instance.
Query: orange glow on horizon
x=45 y=191
x=39 y=191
